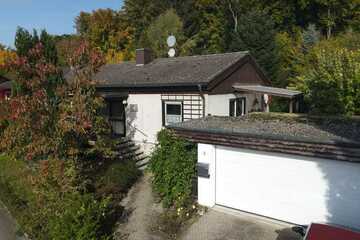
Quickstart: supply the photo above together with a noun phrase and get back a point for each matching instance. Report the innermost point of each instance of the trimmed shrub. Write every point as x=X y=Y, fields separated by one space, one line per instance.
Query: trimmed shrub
x=173 y=165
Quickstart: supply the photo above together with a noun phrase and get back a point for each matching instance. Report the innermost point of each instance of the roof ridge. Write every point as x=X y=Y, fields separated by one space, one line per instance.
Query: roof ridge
x=181 y=57
x=206 y=55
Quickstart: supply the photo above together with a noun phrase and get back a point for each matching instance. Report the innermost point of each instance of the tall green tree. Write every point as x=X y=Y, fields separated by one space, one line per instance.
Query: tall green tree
x=335 y=16
x=139 y=14
x=25 y=41
x=256 y=33
x=331 y=82
x=206 y=28
x=49 y=45
x=165 y=25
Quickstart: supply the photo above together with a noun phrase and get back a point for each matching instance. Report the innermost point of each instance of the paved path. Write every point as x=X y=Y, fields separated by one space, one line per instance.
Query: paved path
x=7 y=226
x=219 y=224
x=142 y=211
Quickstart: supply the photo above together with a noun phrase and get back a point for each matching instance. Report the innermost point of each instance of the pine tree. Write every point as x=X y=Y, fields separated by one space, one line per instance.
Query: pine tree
x=48 y=43
x=25 y=41
x=256 y=33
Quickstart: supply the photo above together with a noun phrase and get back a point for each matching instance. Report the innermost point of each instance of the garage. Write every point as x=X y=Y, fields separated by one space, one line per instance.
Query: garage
x=298 y=190
x=292 y=168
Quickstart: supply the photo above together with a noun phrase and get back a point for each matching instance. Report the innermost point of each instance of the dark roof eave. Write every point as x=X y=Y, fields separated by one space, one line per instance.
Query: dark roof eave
x=152 y=85
x=225 y=133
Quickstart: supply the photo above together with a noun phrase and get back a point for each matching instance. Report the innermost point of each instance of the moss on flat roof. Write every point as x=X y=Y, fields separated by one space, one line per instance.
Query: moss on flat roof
x=291 y=127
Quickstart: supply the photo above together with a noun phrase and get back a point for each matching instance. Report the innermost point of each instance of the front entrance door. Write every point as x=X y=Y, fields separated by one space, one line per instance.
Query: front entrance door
x=116 y=110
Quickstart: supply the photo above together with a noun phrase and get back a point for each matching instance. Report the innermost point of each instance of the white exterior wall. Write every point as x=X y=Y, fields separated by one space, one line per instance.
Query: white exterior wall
x=206 y=186
x=291 y=188
x=218 y=104
x=144 y=124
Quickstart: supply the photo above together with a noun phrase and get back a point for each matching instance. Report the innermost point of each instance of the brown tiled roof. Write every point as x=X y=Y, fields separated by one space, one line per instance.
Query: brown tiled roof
x=179 y=71
x=328 y=137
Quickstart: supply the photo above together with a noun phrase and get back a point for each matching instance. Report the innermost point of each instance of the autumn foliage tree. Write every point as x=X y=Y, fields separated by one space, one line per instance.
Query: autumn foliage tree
x=50 y=118
x=54 y=127
x=107 y=30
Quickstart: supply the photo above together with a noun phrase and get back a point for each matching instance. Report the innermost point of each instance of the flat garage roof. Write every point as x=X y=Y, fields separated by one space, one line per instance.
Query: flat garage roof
x=326 y=137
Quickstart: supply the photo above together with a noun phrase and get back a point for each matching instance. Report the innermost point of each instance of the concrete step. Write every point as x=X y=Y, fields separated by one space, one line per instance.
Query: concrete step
x=125 y=145
x=130 y=149
x=142 y=162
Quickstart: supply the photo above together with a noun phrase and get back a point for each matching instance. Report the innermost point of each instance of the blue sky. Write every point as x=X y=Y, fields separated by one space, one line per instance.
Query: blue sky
x=56 y=16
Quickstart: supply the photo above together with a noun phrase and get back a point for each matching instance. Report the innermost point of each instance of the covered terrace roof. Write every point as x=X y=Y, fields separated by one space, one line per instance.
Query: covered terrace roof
x=279 y=92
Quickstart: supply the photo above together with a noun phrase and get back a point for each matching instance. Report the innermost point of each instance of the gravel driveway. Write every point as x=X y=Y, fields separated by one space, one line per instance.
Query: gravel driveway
x=223 y=224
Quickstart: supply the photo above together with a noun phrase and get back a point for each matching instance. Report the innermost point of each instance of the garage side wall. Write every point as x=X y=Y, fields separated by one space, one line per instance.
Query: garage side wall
x=206 y=186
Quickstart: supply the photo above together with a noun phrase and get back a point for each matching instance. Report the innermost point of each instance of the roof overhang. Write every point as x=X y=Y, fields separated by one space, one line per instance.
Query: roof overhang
x=113 y=96
x=279 y=92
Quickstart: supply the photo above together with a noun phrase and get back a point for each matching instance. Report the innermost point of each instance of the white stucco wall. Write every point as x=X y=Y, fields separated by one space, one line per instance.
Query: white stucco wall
x=218 y=104
x=206 y=186
x=144 y=124
x=291 y=188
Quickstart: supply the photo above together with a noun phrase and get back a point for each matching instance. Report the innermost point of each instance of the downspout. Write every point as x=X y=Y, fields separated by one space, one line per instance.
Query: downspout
x=202 y=98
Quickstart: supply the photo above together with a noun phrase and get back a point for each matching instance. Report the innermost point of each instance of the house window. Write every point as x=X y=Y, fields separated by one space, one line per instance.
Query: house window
x=116 y=112
x=237 y=107
x=172 y=112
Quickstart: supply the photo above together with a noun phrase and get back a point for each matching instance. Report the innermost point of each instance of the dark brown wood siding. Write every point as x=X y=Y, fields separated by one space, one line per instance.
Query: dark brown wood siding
x=246 y=74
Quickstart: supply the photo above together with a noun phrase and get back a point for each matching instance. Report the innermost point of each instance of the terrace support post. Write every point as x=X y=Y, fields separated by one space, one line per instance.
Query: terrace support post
x=291 y=106
x=267 y=107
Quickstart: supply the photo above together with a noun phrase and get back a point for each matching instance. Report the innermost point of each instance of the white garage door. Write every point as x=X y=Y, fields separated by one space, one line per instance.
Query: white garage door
x=298 y=190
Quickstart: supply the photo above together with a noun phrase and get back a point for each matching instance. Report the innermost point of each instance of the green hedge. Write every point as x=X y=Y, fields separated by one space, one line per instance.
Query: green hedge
x=173 y=166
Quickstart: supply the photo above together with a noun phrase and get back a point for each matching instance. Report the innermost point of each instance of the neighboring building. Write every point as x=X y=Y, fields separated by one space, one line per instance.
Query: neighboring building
x=295 y=169
x=145 y=95
x=5 y=88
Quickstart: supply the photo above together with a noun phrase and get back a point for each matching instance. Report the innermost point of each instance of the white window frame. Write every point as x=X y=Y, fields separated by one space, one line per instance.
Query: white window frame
x=166 y=123
x=243 y=105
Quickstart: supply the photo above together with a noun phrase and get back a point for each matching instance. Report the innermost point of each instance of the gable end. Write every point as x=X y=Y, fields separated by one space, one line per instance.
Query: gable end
x=245 y=71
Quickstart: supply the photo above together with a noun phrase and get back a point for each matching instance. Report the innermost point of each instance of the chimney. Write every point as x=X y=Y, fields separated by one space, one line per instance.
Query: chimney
x=143 y=56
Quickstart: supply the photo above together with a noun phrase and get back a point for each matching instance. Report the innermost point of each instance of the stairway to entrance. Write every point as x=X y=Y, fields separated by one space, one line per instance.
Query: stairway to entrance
x=128 y=150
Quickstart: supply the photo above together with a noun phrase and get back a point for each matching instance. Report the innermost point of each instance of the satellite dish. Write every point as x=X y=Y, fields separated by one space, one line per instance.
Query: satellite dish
x=171 y=41
x=172 y=52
